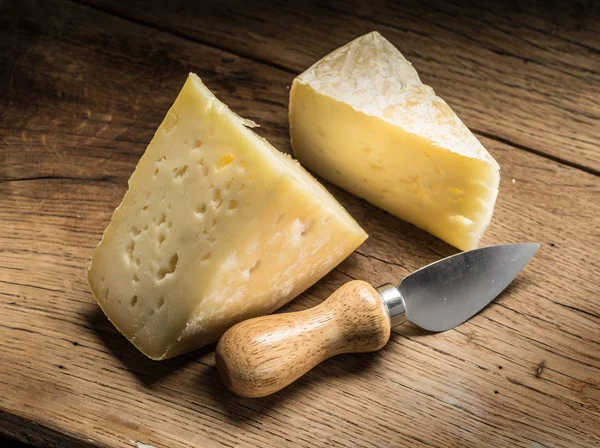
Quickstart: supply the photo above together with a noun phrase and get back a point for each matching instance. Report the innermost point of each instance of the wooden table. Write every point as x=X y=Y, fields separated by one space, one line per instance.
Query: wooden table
x=83 y=86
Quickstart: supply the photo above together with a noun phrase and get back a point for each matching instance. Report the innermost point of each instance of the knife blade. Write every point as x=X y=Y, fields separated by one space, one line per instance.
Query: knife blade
x=262 y=355
x=444 y=294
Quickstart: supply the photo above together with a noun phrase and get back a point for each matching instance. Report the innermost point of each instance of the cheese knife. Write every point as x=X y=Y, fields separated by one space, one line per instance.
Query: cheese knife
x=263 y=355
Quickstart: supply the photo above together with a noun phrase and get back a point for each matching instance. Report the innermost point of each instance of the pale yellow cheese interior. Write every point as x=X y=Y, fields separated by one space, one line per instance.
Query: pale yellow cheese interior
x=217 y=226
x=362 y=119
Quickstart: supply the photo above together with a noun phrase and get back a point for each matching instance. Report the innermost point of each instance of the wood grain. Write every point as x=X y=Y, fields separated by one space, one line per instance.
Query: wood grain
x=83 y=92
x=496 y=63
x=261 y=356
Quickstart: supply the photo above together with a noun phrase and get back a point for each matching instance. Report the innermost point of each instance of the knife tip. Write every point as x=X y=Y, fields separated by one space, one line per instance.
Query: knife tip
x=531 y=248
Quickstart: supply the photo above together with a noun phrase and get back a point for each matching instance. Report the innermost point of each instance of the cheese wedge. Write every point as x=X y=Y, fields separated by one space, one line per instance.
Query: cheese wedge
x=217 y=226
x=362 y=119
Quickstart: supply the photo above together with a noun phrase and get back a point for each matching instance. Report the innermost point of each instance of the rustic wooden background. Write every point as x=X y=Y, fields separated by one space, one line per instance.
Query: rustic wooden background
x=83 y=86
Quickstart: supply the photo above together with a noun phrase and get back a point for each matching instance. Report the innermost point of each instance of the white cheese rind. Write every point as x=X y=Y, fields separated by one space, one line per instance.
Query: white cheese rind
x=362 y=119
x=217 y=226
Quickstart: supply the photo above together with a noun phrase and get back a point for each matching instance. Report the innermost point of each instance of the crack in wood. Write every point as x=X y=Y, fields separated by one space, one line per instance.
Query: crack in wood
x=109 y=179
x=374 y=257
x=537 y=152
x=540 y=369
x=184 y=36
x=514 y=361
x=579 y=310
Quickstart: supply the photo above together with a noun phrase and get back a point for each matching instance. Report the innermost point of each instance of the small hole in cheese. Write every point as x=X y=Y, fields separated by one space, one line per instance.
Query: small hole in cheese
x=205 y=257
x=203 y=169
x=135 y=231
x=218 y=204
x=129 y=249
x=242 y=186
x=216 y=194
x=214 y=222
x=298 y=230
x=169 y=224
x=277 y=220
x=232 y=205
x=197 y=143
x=256 y=265
x=201 y=210
x=179 y=171
x=229 y=182
x=161 y=239
x=169 y=269
x=134 y=300
x=106 y=293
x=162 y=219
x=155 y=172
x=305 y=228
x=224 y=161
x=137 y=261
x=173 y=263
x=135 y=278
x=161 y=302
x=145 y=207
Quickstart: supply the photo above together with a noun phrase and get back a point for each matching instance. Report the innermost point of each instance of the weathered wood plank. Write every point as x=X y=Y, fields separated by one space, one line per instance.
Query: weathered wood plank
x=528 y=75
x=63 y=366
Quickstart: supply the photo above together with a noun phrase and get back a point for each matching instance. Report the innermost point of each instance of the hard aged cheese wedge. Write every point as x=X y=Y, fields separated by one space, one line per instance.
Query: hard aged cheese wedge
x=362 y=119
x=217 y=226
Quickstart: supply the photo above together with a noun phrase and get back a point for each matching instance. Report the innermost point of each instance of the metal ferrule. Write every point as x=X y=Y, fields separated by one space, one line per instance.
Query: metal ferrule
x=394 y=303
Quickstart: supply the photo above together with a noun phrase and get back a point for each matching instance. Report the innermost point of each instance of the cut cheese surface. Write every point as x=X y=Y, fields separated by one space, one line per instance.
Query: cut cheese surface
x=362 y=119
x=217 y=226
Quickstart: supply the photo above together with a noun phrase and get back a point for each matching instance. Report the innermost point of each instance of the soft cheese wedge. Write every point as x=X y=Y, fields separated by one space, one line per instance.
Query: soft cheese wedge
x=362 y=119
x=217 y=226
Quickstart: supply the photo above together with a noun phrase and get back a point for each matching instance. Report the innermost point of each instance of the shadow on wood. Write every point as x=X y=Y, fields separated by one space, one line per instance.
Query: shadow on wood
x=146 y=370
x=396 y=240
x=409 y=330
x=333 y=373
x=19 y=427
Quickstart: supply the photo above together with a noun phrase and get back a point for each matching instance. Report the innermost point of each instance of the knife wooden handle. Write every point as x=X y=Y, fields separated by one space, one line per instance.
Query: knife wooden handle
x=260 y=356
